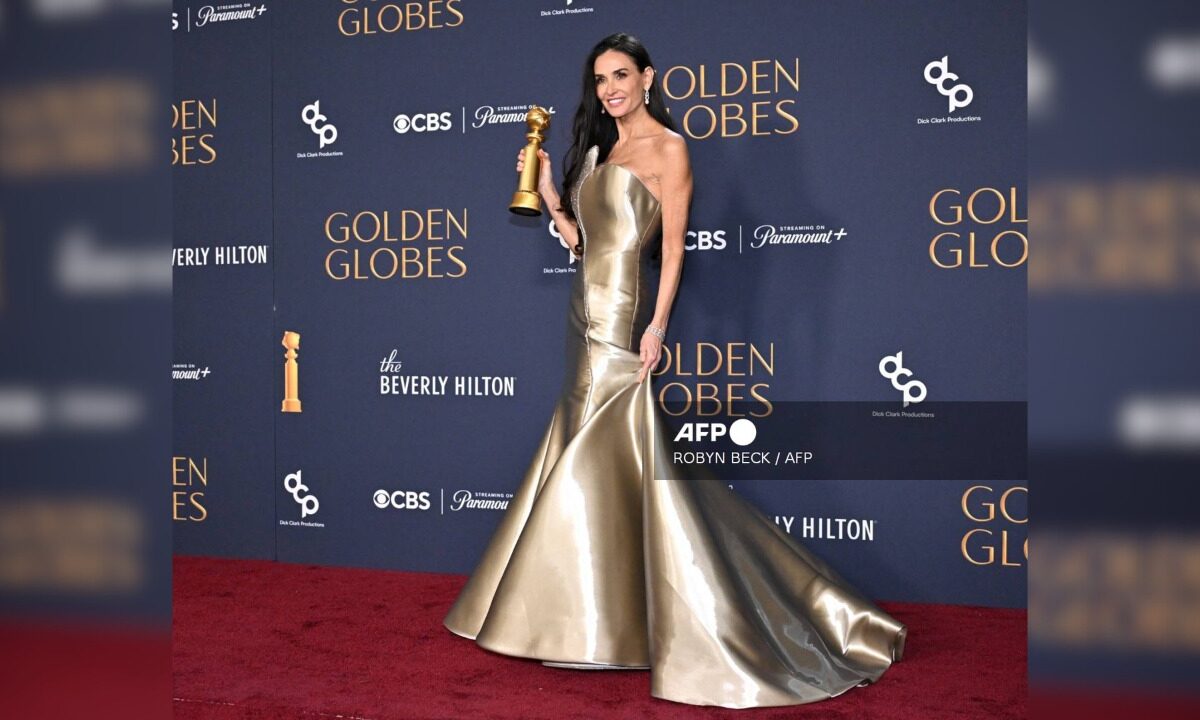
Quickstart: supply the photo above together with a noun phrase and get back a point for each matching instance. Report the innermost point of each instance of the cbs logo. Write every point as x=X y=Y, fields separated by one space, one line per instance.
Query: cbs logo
x=423 y=122
x=704 y=240
x=402 y=499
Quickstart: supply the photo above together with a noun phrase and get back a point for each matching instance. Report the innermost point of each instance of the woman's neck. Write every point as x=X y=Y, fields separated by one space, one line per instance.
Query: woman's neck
x=631 y=128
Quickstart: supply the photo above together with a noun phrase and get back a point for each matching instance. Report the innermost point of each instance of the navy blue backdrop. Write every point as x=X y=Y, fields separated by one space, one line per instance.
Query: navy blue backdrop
x=347 y=175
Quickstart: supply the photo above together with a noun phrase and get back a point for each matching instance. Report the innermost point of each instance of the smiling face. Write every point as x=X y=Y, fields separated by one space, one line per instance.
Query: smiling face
x=619 y=85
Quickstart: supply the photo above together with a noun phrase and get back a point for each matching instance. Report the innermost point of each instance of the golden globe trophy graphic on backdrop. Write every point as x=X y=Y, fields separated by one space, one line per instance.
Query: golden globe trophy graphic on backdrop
x=291 y=373
x=526 y=200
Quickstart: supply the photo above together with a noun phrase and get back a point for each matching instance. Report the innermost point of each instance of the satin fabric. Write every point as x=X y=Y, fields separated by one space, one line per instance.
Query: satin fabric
x=608 y=556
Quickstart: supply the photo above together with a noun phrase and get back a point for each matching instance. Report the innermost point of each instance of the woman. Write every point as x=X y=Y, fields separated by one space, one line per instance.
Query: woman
x=606 y=558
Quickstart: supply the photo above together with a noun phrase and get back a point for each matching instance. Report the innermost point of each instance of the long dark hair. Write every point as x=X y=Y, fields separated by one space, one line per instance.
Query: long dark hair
x=595 y=128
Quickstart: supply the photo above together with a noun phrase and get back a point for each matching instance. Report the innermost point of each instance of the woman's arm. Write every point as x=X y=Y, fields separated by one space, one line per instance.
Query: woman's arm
x=566 y=226
x=676 y=186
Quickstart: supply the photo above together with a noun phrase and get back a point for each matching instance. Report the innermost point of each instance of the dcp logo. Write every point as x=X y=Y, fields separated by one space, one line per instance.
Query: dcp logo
x=311 y=115
x=308 y=503
x=957 y=96
x=914 y=390
x=562 y=241
x=422 y=122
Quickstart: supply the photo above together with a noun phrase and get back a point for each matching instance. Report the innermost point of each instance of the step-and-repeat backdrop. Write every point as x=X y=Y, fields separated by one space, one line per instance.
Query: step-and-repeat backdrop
x=368 y=344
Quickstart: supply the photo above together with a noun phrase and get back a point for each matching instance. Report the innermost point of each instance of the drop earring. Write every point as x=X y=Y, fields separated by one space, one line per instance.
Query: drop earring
x=647 y=96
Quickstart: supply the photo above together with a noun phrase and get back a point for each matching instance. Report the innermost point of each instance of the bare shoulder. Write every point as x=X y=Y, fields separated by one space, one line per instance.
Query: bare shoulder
x=674 y=165
x=672 y=148
x=672 y=155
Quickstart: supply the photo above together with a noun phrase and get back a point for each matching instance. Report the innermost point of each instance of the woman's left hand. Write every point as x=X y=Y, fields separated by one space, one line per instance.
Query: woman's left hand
x=651 y=351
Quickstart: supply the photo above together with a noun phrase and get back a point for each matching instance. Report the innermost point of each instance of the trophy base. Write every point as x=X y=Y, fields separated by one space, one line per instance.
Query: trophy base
x=526 y=203
x=291 y=406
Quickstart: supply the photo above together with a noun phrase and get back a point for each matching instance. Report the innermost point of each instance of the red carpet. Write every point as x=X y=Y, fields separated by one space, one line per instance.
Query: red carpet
x=257 y=639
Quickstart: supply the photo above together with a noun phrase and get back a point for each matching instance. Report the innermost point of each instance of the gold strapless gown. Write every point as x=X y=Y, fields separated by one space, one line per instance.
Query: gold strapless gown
x=604 y=558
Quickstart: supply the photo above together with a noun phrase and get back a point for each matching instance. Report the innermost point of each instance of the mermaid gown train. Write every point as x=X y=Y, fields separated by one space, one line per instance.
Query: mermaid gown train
x=605 y=557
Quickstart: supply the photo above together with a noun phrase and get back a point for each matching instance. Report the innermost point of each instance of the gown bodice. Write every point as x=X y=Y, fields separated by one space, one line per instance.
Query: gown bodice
x=620 y=225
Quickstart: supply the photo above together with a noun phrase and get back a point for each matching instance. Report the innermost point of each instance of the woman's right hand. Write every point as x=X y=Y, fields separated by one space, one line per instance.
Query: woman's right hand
x=545 y=172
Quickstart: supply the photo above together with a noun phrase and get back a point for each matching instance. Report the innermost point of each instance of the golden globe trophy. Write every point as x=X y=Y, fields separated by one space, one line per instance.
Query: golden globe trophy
x=526 y=200
x=291 y=373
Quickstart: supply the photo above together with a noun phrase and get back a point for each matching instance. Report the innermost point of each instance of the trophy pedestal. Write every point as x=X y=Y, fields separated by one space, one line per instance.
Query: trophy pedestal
x=526 y=202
